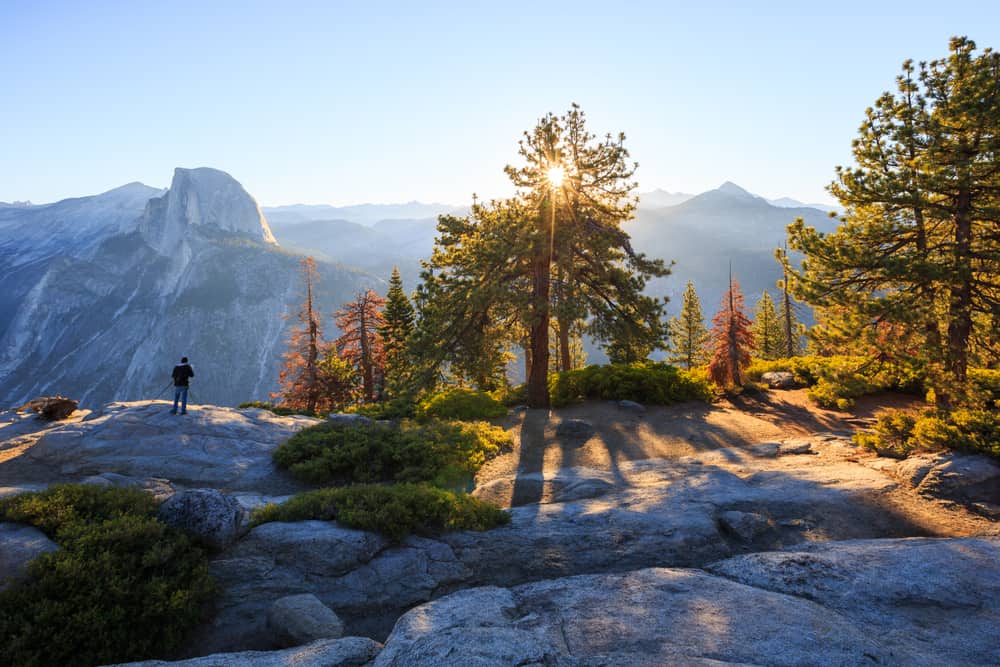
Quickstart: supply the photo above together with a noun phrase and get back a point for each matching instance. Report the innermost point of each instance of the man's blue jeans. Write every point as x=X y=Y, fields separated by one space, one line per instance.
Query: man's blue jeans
x=180 y=393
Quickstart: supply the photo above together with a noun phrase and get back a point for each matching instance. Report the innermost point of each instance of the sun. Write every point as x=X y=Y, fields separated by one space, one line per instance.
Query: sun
x=555 y=175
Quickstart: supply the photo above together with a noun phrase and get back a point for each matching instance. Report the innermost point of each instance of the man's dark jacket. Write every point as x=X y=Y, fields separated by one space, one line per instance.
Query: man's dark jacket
x=182 y=373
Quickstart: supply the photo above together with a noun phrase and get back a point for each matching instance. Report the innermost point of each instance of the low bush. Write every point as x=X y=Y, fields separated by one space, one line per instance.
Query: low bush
x=984 y=384
x=459 y=403
x=276 y=409
x=445 y=454
x=834 y=382
x=647 y=382
x=122 y=587
x=395 y=511
x=898 y=433
x=397 y=408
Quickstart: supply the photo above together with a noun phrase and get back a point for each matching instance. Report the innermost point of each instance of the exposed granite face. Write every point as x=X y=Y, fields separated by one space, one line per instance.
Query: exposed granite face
x=346 y=652
x=19 y=545
x=892 y=602
x=201 y=197
x=209 y=447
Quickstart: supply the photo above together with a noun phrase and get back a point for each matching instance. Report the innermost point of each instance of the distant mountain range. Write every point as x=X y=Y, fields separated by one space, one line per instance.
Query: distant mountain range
x=362 y=214
x=103 y=294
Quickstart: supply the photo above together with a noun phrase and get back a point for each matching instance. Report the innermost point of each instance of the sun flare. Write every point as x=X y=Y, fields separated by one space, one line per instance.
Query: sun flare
x=556 y=176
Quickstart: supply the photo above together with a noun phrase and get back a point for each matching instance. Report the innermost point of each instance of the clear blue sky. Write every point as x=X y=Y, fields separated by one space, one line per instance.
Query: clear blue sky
x=349 y=102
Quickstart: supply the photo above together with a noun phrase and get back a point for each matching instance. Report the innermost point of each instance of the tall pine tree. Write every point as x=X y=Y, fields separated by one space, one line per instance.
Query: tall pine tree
x=579 y=190
x=918 y=246
x=792 y=329
x=396 y=329
x=767 y=333
x=688 y=335
x=557 y=251
x=732 y=339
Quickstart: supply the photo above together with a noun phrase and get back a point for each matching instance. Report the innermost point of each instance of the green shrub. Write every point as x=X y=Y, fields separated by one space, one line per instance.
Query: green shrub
x=898 y=433
x=459 y=403
x=511 y=395
x=647 y=382
x=397 y=408
x=834 y=382
x=276 y=409
x=122 y=587
x=984 y=384
x=395 y=511
x=892 y=435
x=445 y=454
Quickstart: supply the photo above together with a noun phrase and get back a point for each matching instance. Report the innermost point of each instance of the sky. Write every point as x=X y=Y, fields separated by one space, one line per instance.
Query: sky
x=350 y=102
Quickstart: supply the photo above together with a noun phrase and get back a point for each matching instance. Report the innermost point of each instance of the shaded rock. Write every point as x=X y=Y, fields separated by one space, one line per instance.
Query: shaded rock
x=745 y=525
x=211 y=447
x=346 y=652
x=632 y=406
x=52 y=408
x=914 y=468
x=161 y=489
x=766 y=450
x=300 y=619
x=348 y=419
x=937 y=600
x=798 y=446
x=655 y=513
x=646 y=617
x=575 y=429
x=963 y=477
x=17 y=490
x=19 y=545
x=566 y=485
x=779 y=380
x=207 y=513
x=581 y=489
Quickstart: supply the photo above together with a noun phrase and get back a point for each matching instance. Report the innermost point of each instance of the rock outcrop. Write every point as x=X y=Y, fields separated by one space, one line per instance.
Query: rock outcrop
x=201 y=198
x=206 y=513
x=210 y=447
x=346 y=652
x=664 y=513
x=894 y=602
x=19 y=545
x=300 y=619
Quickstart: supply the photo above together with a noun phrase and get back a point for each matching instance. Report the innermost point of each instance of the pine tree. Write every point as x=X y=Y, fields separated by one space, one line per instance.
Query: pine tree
x=557 y=250
x=732 y=339
x=397 y=327
x=918 y=245
x=767 y=333
x=360 y=344
x=299 y=378
x=688 y=335
x=791 y=329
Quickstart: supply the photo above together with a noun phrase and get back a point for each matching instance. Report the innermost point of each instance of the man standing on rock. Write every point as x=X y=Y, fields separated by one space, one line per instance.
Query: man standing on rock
x=182 y=373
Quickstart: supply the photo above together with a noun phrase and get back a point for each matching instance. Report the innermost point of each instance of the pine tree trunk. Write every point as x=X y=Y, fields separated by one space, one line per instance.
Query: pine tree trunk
x=565 y=359
x=960 y=306
x=312 y=355
x=538 y=380
x=787 y=303
x=734 y=352
x=366 y=361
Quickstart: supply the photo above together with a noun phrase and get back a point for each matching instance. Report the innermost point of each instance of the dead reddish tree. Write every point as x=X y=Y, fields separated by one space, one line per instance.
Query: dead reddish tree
x=361 y=343
x=299 y=378
x=732 y=339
